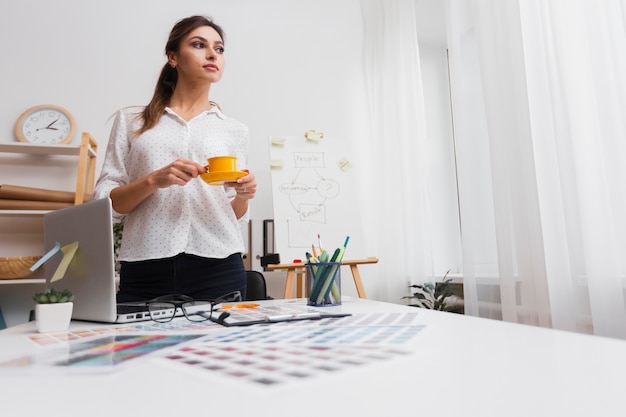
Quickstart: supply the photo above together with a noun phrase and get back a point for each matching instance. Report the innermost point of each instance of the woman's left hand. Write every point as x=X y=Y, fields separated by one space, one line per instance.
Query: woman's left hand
x=245 y=186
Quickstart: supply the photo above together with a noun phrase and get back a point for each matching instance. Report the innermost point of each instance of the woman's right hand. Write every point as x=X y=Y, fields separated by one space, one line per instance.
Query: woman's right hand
x=126 y=197
x=179 y=172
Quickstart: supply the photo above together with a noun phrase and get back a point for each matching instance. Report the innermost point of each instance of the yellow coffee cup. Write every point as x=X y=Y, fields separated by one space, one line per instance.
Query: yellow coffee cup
x=222 y=164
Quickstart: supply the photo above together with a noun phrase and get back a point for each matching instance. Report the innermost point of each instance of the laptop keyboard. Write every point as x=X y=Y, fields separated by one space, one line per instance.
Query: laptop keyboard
x=128 y=308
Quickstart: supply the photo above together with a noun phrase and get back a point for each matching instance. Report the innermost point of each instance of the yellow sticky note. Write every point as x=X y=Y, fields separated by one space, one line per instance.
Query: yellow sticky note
x=344 y=164
x=278 y=141
x=314 y=136
x=276 y=163
x=68 y=254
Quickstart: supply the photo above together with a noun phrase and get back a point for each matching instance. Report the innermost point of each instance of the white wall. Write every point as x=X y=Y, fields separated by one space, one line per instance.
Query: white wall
x=291 y=66
x=288 y=68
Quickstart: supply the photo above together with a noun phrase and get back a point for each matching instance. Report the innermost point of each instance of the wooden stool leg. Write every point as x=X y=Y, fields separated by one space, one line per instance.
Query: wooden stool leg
x=300 y=281
x=357 y=281
x=305 y=285
x=289 y=283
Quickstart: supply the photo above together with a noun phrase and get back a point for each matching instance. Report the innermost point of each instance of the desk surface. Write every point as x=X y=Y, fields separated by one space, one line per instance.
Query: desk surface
x=455 y=366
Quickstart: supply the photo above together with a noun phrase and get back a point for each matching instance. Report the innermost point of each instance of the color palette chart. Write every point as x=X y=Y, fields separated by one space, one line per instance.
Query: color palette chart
x=113 y=350
x=54 y=338
x=177 y=325
x=103 y=353
x=268 y=366
x=259 y=356
x=318 y=335
x=272 y=355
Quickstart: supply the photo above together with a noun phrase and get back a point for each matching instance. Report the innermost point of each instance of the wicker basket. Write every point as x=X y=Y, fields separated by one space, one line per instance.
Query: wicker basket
x=15 y=267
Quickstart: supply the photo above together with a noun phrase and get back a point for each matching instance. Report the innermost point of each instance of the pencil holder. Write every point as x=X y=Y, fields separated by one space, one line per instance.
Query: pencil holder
x=323 y=280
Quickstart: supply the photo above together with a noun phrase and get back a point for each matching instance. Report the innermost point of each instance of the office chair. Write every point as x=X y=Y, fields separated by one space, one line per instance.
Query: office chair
x=3 y=324
x=256 y=288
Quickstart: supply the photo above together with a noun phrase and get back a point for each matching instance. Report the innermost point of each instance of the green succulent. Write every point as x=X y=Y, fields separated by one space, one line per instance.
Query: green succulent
x=51 y=296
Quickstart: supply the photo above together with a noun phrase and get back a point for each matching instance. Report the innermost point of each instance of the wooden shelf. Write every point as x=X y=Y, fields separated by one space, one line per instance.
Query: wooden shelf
x=23 y=212
x=86 y=151
x=33 y=149
x=23 y=281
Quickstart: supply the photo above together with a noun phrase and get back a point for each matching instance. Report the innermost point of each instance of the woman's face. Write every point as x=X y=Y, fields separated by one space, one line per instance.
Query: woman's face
x=200 y=57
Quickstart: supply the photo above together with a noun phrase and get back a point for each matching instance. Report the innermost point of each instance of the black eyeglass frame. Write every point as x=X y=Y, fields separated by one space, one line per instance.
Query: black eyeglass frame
x=179 y=301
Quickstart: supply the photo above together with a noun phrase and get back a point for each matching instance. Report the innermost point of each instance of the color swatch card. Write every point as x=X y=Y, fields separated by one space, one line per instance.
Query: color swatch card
x=273 y=355
x=263 y=366
x=178 y=325
x=318 y=335
x=295 y=342
x=104 y=353
x=54 y=338
x=370 y=320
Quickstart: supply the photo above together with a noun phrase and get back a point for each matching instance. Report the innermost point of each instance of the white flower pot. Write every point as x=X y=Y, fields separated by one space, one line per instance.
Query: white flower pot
x=53 y=317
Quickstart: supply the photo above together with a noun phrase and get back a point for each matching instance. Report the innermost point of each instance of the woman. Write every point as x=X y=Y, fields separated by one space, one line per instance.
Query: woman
x=181 y=235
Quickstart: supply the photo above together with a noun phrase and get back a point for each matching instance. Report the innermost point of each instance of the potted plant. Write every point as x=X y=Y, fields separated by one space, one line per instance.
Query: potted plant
x=440 y=296
x=53 y=311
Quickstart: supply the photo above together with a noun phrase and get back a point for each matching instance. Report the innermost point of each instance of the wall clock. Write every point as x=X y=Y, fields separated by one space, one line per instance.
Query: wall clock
x=47 y=124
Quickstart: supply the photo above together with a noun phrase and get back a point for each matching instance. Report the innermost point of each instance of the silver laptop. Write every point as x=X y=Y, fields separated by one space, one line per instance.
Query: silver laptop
x=91 y=274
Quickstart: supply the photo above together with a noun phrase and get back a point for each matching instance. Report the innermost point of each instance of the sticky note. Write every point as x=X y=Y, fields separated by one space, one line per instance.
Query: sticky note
x=68 y=255
x=344 y=164
x=276 y=163
x=314 y=136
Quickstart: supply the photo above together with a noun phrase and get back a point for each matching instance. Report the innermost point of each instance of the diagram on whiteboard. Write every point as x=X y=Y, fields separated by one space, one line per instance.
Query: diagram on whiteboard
x=309 y=189
x=313 y=193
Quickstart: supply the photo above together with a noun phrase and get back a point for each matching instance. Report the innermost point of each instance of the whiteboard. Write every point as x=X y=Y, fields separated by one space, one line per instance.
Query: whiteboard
x=314 y=193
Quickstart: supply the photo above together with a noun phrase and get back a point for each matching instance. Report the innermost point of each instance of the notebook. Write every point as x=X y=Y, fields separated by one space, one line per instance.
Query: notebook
x=91 y=274
x=265 y=314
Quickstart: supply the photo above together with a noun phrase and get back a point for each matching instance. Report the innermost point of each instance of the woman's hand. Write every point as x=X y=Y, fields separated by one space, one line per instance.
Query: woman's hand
x=246 y=189
x=126 y=197
x=245 y=186
x=179 y=172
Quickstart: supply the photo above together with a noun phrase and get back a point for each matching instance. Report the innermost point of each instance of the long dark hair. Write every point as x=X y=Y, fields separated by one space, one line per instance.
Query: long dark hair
x=169 y=76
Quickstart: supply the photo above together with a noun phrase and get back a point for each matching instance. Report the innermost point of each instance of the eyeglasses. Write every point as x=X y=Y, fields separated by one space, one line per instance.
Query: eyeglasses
x=163 y=309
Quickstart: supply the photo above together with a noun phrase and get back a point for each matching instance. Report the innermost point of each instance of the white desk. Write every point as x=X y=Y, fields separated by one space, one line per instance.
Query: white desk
x=461 y=366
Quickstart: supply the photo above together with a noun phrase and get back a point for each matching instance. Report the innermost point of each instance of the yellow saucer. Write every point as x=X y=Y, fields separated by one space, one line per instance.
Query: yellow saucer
x=221 y=177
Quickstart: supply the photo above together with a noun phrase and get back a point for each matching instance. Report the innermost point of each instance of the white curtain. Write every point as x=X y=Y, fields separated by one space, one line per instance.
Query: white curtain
x=396 y=189
x=539 y=101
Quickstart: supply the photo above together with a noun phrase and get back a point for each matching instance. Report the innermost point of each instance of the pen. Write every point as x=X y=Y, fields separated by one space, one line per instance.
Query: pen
x=329 y=279
x=279 y=317
x=326 y=282
x=322 y=275
x=334 y=289
x=241 y=305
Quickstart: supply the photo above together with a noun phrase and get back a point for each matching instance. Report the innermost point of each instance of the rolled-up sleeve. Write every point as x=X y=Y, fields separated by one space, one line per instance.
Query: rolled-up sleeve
x=114 y=173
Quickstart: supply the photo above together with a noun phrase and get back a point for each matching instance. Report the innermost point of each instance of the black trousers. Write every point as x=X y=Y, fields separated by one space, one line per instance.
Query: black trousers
x=195 y=276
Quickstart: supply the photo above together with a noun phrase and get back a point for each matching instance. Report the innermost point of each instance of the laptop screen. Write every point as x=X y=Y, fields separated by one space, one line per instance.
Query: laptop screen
x=91 y=273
